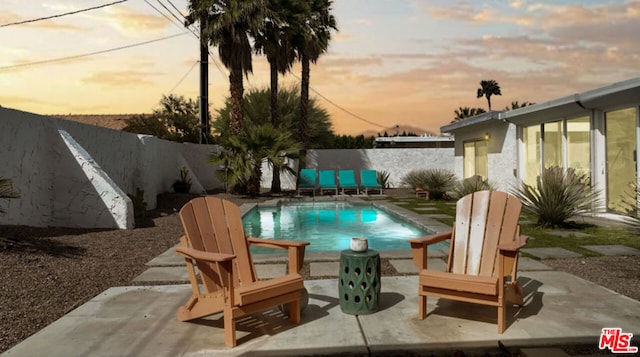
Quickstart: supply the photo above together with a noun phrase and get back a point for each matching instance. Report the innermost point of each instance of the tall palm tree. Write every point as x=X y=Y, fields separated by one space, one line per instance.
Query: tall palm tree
x=275 y=41
x=466 y=112
x=228 y=24
x=314 y=33
x=487 y=89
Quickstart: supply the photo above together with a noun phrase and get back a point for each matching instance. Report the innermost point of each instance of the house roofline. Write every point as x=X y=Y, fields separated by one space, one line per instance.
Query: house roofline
x=611 y=95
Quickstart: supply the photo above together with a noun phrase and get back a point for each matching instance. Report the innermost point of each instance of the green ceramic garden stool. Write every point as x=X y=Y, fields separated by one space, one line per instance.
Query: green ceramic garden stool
x=359 y=282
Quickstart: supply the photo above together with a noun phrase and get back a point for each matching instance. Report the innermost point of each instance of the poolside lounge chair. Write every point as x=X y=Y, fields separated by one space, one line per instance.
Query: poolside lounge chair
x=215 y=244
x=327 y=181
x=484 y=246
x=347 y=181
x=307 y=180
x=369 y=180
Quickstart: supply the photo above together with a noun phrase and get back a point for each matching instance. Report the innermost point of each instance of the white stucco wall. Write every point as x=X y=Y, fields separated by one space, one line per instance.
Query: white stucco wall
x=76 y=175
x=397 y=162
x=502 y=153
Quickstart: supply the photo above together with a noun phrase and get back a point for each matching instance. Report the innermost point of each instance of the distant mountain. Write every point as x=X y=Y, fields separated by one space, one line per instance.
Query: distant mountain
x=399 y=130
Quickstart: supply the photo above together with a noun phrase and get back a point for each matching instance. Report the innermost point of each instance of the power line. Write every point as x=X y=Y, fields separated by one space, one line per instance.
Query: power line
x=183 y=77
x=170 y=12
x=341 y=108
x=90 y=53
x=63 y=14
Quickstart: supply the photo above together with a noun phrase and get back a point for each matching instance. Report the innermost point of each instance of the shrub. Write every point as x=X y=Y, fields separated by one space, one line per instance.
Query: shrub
x=558 y=195
x=383 y=178
x=436 y=181
x=139 y=204
x=470 y=185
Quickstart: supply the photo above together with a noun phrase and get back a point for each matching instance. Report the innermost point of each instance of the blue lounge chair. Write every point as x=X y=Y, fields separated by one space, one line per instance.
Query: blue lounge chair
x=347 y=181
x=327 y=181
x=307 y=180
x=369 y=180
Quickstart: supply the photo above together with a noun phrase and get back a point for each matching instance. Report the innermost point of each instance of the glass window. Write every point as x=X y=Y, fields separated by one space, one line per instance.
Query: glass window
x=531 y=139
x=476 y=158
x=552 y=149
x=578 y=145
x=621 y=154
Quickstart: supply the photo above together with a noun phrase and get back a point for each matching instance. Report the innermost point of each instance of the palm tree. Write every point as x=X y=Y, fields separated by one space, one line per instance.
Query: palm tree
x=314 y=27
x=487 y=89
x=228 y=24
x=275 y=41
x=516 y=105
x=244 y=154
x=466 y=112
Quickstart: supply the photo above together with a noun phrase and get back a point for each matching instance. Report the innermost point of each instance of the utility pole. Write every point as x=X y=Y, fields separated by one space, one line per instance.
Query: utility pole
x=204 y=83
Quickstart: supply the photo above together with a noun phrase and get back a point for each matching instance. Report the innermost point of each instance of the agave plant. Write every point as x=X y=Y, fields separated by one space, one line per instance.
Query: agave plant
x=6 y=190
x=559 y=194
x=436 y=181
x=470 y=185
x=631 y=205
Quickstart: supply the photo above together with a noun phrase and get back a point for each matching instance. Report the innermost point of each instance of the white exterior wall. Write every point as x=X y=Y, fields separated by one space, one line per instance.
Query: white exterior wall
x=76 y=175
x=397 y=162
x=502 y=153
x=71 y=174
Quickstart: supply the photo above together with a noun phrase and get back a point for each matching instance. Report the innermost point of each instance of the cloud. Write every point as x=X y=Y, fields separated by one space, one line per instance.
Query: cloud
x=131 y=22
x=120 y=78
x=8 y=17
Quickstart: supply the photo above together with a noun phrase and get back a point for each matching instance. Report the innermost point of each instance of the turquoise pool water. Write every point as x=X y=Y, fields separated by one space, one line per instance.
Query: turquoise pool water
x=329 y=226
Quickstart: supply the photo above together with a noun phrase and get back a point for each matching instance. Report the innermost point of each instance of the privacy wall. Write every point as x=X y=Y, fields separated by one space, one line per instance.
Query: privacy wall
x=70 y=174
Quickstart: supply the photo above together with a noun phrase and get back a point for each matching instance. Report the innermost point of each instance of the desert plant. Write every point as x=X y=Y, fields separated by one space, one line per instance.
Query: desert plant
x=470 y=185
x=383 y=178
x=139 y=204
x=630 y=204
x=559 y=194
x=6 y=190
x=183 y=185
x=436 y=181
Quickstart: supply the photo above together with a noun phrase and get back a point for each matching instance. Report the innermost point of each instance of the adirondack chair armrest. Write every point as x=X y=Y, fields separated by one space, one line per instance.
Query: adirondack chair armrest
x=430 y=239
x=275 y=243
x=204 y=256
x=419 y=247
x=295 y=250
x=514 y=246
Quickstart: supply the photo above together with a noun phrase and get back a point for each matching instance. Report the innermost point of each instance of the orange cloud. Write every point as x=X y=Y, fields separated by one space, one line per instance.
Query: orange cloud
x=120 y=78
x=9 y=17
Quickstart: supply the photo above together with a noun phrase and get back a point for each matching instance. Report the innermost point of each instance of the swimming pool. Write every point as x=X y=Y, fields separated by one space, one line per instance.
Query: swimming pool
x=329 y=226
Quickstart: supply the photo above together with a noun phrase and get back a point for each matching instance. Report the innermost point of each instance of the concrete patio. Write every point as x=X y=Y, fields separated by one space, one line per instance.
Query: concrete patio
x=140 y=320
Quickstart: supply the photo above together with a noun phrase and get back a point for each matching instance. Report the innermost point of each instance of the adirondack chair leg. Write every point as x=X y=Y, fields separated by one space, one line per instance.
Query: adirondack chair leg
x=501 y=318
x=294 y=312
x=422 y=307
x=229 y=329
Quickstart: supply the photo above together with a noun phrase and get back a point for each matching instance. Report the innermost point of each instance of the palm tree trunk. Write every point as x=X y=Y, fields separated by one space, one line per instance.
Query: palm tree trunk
x=275 y=120
x=303 y=123
x=237 y=90
x=254 y=181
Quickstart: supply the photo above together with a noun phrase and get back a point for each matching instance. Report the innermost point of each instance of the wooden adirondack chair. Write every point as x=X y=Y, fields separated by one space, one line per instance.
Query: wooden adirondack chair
x=483 y=251
x=215 y=243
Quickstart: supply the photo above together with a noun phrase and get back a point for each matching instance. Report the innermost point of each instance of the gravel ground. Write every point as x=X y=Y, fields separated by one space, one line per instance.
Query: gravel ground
x=47 y=272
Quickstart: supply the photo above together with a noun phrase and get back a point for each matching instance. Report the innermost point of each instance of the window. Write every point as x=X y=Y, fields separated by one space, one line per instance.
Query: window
x=621 y=154
x=552 y=147
x=531 y=139
x=579 y=145
x=550 y=136
x=475 y=158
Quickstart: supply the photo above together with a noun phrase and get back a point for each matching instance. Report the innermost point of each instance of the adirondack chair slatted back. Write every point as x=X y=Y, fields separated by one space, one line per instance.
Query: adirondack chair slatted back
x=214 y=225
x=484 y=219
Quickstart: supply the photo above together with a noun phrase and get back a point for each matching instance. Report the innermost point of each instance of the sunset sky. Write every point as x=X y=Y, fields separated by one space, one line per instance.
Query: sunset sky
x=393 y=62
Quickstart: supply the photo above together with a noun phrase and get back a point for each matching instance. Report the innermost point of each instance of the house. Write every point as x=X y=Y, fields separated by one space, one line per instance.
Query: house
x=424 y=141
x=594 y=132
